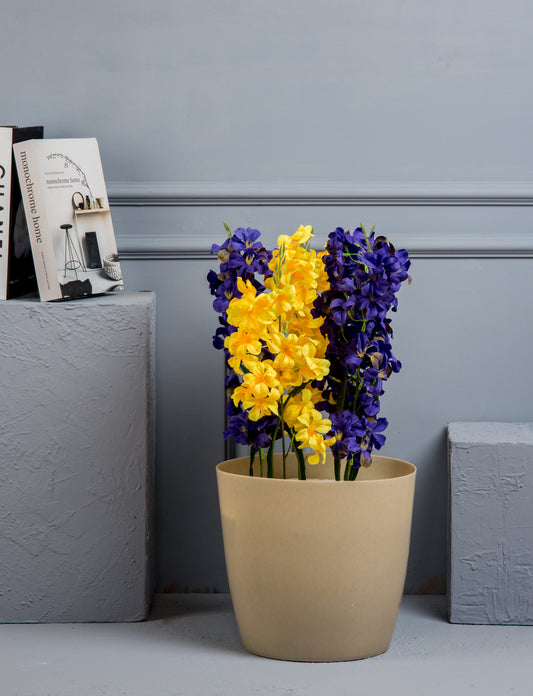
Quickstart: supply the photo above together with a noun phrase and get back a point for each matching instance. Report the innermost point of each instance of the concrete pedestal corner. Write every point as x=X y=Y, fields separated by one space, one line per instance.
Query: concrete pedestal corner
x=76 y=459
x=491 y=523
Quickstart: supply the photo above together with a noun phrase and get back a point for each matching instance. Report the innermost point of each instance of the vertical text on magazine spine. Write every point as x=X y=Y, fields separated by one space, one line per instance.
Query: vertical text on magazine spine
x=28 y=183
x=2 y=194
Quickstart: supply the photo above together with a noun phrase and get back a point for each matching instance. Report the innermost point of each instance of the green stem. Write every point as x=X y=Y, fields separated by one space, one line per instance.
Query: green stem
x=342 y=395
x=301 y=463
x=366 y=236
x=337 y=462
x=350 y=472
x=252 y=457
x=270 y=454
x=353 y=473
x=261 y=457
x=292 y=443
x=340 y=407
x=295 y=391
x=347 y=470
x=357 y=389
x=283 y=441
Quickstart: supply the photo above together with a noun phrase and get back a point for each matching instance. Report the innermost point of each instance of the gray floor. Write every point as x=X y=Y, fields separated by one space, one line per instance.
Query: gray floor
x=191 y=646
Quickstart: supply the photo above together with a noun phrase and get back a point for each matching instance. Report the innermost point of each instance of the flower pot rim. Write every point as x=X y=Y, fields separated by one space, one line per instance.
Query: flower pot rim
x=410 y=470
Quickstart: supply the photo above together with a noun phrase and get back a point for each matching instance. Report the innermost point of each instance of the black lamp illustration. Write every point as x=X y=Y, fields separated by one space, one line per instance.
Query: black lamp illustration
x=85 y=255
x=72 y=258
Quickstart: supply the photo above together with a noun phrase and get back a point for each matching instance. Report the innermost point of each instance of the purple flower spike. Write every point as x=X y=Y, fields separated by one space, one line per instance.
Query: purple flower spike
x=365 y=272
x=241 y=255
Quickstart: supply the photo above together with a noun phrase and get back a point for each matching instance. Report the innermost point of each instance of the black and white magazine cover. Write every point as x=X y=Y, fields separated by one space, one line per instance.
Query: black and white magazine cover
x=69 y=218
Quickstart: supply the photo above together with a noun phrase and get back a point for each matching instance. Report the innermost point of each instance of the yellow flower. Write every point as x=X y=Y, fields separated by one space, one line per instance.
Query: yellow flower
x=240 y=344
x=251 y=311
x=312 y=366
x=261 y=401
x=302 y=235
x=240 y=307
x=322 y=276
x=280 y=320
x=284 y=299
x=297 y=405
x=263 y=309
x=285 y=348
x=262 y=372
x=310 y=434
x=259 y=390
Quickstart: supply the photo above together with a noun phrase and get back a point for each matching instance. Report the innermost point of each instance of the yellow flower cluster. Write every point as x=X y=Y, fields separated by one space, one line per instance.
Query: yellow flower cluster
x=280 y=320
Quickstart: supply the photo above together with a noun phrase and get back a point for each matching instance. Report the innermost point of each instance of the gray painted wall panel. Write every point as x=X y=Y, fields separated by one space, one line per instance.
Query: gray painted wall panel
x=413 y=115
x=275 y=91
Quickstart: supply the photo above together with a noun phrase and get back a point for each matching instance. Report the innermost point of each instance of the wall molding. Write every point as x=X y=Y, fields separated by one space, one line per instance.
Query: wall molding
x=434 y=243
x=436 y=246
x=429 y=193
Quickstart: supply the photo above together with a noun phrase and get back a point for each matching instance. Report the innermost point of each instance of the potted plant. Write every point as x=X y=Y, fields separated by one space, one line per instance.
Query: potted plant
x=316 y=540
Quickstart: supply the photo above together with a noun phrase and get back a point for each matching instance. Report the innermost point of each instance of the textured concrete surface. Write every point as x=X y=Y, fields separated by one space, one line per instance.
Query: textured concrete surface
x=76 y=453
x=191 y=647
x=491 y=523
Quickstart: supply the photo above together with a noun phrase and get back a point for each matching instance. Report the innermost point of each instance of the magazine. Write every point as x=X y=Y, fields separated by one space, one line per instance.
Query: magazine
x=69 y=220
x=17 y=273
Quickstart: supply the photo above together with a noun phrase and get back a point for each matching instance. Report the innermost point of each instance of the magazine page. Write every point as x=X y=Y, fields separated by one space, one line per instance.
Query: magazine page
x=78 y=215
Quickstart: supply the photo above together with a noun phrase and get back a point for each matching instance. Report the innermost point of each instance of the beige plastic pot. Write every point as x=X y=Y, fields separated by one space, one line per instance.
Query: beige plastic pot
x=316 y=568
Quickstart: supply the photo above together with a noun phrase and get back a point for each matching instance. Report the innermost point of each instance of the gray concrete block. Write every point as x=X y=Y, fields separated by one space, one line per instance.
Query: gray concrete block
x=490 y=578
x=76 y=459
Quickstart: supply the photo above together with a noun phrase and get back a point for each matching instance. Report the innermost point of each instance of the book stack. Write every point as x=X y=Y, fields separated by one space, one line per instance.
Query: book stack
x=56 y=231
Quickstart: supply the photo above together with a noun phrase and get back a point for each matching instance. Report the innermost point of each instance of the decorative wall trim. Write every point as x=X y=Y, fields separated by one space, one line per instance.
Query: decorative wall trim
x=437 y=246
x=433 y=193
x=187 y=244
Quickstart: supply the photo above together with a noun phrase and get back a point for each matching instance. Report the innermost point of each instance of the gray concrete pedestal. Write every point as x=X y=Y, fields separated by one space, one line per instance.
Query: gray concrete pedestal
x=76 y=459
x=491 y=523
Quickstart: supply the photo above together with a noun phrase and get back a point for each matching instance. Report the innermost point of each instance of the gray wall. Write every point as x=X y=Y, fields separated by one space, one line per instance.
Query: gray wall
x=412 y=115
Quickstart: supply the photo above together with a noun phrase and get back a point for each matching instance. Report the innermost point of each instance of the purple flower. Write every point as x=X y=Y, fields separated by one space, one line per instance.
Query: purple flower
x=261 y=432
x=258 y=433
x=238 y=428
x=365 y=273
x=225 y=292
x=215 y=248
x=367 y=402
x=219 y=337
x=245 y=239
x=240 y=256
x=340 y=308
x=348 y=430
